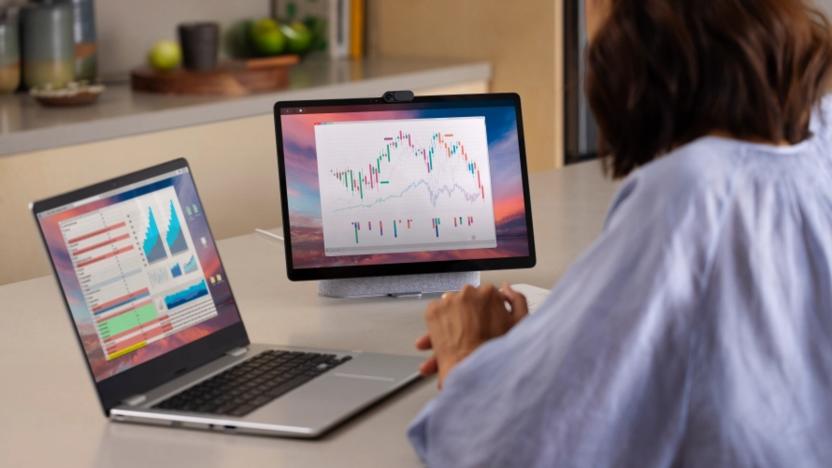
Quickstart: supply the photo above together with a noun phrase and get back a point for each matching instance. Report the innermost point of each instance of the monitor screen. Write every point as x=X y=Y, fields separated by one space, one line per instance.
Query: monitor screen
x=370 y=184
x=139 y=270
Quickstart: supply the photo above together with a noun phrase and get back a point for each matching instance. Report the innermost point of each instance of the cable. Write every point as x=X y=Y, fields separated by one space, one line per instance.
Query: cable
x=266 y=233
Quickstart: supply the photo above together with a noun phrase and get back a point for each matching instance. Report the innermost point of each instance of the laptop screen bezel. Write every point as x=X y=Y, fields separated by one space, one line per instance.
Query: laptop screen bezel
x=446 y=266
x=146 y=376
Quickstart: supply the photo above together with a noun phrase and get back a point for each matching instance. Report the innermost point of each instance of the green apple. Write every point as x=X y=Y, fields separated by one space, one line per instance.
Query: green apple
x=299 y=37
x=267 y=38
x=165 y=55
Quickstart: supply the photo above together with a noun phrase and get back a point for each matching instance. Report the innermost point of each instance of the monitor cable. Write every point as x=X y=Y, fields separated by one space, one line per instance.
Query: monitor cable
x=269 y=234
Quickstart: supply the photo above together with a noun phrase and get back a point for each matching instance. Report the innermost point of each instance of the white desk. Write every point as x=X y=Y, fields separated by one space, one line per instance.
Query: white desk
x=49 y=414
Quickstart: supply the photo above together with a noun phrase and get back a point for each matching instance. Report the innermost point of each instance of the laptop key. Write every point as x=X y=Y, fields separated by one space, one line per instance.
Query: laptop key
x=261 y=400
x=252 y=383
x=226 y=408
x=242 y=410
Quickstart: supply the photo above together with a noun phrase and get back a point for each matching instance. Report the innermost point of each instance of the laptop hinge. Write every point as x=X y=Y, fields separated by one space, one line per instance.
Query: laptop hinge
x=135 y=400
x=237 y=352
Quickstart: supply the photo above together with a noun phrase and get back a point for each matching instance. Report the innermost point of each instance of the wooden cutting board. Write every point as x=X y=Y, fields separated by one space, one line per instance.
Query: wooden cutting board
x=233 y=78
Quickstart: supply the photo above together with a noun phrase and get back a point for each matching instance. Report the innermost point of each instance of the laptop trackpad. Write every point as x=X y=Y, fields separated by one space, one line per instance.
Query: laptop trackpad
x=324 y=400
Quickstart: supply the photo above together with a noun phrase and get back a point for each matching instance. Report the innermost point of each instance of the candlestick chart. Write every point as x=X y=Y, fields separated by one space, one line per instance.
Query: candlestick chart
x=405 y=185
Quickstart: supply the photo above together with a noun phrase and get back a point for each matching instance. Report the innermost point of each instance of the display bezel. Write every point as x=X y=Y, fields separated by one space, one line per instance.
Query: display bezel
x=447 y=266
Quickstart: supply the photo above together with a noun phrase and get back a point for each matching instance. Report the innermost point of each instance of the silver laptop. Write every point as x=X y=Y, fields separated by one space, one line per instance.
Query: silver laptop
x=156 y=320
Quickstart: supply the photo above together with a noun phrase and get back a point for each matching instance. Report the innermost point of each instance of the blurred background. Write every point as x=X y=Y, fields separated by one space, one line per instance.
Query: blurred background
x=92 y=89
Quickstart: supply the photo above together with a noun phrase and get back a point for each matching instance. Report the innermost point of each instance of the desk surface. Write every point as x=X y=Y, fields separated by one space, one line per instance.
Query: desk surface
x=51 y=416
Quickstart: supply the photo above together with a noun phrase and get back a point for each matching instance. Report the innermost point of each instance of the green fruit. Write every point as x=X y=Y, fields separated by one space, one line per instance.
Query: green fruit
x=317 y=27
x=267 y=37
x=238 y=40
x=165 y=55
x=299 y=37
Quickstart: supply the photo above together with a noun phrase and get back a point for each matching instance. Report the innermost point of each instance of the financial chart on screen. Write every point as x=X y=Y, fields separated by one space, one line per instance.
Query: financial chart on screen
x=405 y=185
x=137 y=267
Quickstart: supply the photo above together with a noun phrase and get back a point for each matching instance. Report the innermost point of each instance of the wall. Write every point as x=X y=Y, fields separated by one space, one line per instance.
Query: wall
x=521 y=39
x=127 y=29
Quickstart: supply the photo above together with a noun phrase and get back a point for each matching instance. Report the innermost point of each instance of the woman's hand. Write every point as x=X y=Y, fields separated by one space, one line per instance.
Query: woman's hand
x=459 y=323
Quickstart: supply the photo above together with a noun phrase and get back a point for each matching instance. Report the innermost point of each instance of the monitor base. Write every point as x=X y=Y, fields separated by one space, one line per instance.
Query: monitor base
x=397 y=286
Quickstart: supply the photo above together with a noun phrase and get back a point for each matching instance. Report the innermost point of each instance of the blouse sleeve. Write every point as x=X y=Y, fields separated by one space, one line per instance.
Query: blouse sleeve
x=599 y=375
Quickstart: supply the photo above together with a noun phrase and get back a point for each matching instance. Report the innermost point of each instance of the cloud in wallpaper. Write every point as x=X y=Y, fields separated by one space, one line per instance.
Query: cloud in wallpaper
x=304 y=201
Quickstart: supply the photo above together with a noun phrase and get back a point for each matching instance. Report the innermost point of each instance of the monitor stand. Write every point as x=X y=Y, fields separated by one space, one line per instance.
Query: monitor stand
x=397 y=286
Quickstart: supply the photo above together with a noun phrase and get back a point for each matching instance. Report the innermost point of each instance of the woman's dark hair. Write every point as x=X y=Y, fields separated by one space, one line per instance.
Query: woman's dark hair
x=662 y=73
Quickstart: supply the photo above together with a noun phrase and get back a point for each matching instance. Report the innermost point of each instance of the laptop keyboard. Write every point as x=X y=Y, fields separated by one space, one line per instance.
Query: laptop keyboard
x=252 y=383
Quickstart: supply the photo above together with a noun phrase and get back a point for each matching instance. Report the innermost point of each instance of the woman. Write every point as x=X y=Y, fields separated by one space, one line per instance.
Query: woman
x=697 y=330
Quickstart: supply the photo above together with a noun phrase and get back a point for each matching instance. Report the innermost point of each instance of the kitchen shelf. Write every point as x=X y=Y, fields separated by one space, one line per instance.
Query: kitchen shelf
x=25 y=126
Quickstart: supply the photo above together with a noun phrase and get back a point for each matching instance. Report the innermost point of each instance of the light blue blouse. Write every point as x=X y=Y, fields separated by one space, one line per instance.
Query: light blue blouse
x=695 y=332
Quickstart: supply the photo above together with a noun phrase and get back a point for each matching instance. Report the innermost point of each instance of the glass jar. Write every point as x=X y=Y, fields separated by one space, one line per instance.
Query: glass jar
x=48 y=46
x=86 y=63
x=9 y=55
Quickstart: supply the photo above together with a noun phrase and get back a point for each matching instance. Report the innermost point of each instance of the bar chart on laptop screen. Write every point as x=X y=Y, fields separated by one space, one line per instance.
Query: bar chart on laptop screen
x=405 y=185
x=138 y=271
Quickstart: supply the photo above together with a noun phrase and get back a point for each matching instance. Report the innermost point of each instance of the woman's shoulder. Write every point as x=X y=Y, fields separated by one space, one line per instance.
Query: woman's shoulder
x=702 y=169
x=713 y=159
x=693 y=166
x=711 y=169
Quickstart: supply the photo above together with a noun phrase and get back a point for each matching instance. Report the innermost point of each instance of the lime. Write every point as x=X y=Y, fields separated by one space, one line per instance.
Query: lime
x=267 y=38
x=299 y=37
x=165 y=55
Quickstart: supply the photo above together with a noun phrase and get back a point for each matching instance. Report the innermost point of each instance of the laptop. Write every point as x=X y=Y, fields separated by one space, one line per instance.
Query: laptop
x=153 y=311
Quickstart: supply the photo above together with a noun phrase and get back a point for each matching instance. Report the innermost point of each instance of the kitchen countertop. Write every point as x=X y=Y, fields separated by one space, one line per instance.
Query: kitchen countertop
x=27 y=126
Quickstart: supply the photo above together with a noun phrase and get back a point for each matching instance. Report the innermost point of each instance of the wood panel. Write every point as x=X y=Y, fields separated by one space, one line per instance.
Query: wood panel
x=522 y=40
x=231 y=78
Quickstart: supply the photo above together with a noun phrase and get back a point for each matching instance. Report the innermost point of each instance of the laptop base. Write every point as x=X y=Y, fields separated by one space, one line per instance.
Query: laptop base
x=308 y=411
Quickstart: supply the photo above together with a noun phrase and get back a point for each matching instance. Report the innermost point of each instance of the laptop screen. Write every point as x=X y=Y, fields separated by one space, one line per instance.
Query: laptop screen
x=386 y=184
x=140 y=271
